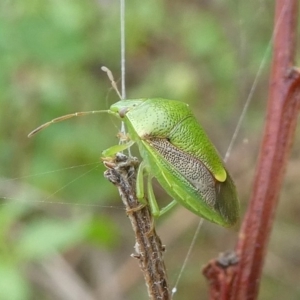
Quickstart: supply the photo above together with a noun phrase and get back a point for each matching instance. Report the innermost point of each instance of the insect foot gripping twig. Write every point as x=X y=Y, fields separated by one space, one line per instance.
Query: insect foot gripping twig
x=149 y=249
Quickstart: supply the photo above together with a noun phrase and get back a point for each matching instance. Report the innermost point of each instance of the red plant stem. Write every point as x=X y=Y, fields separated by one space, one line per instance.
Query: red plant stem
x=240 y=280
x=283 y=106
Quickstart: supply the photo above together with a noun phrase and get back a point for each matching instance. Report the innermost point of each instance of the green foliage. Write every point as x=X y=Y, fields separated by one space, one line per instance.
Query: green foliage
x=103 y=232
x=13 y=285
x=44 y=237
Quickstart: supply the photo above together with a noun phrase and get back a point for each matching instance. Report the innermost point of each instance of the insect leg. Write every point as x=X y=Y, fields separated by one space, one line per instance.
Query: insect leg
x=140 y=193
x=116 y=148
x=151 y=199
x=168 y=207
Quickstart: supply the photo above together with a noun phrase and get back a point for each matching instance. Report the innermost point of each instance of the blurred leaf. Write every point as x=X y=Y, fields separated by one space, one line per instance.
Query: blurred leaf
x=13 y=286
x=44 y=237
x=103 y=231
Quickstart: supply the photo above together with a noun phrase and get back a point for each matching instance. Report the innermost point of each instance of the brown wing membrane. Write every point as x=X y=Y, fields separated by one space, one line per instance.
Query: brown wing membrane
x=225 y=204
x=218 y=195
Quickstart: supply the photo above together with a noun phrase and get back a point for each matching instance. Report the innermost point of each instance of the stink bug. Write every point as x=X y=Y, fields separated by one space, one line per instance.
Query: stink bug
x=177 y=152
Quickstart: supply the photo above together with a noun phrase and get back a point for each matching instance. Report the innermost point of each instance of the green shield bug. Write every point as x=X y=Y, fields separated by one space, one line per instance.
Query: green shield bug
x=177 y=152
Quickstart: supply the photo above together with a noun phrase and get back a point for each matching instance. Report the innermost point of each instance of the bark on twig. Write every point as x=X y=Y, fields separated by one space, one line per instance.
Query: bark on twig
x=241 y=281
x=148 y=247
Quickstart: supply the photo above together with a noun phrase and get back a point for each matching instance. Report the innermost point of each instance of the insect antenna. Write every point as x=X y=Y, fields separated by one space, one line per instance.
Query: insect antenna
x=65 y=117
x=112 y=80
x=113 y=83
x=81 y=113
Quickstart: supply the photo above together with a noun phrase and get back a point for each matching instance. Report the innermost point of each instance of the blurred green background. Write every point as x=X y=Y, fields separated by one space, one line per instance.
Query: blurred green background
x=63 y=231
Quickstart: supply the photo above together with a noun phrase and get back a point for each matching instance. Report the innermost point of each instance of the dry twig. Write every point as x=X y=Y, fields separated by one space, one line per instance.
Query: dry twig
x=149 y=250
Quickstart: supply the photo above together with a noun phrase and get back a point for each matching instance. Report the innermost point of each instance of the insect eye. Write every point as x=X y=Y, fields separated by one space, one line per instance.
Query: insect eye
x=123 y=112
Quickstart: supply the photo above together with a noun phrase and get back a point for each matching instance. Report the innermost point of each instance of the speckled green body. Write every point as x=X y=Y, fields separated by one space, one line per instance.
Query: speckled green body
x=178 y=153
